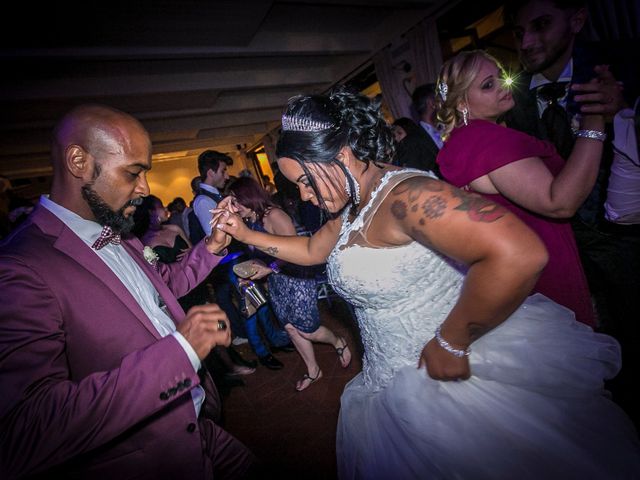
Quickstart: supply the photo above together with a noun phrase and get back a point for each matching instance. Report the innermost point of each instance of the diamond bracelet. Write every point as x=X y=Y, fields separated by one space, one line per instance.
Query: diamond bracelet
x=447 y=346
x=592 y=134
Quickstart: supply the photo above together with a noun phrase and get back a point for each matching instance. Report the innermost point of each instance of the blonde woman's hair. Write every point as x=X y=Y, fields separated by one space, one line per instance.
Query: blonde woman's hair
x=457 y=73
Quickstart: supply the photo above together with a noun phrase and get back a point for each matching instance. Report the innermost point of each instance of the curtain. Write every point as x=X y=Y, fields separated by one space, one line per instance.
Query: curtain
x=391 y=82
x=425 y=48
x=425 y=59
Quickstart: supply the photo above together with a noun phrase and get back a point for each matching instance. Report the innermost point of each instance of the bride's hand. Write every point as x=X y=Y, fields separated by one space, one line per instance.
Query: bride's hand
x=229 y=204
x=442 y=365
x=231 y=224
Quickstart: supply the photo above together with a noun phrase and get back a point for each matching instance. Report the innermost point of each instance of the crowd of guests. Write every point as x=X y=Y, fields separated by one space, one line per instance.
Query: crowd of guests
x=492 y=242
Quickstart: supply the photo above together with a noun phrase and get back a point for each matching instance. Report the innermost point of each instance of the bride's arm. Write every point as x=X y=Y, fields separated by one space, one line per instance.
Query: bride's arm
x=301 y=250
x=504 y=258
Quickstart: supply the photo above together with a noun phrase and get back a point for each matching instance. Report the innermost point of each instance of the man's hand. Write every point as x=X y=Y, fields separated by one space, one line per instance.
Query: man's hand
x=202 y=328
x=602 y=95
x=232 y=224
x=228 y=203
x=218 y=240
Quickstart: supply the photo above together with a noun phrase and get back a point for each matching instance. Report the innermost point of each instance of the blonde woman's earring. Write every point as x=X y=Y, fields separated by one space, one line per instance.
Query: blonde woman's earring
x=465 y=116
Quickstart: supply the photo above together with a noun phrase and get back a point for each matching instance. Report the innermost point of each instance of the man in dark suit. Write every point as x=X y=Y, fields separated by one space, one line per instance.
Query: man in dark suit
x=423 y=102
x=562 y=79
x=99 y=367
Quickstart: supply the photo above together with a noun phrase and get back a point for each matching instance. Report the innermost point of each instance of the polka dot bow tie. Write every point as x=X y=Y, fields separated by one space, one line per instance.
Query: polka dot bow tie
x=107 y=235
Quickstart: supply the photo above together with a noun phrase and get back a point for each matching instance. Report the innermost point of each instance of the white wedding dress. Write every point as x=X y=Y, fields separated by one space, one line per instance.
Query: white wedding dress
x=534 y=408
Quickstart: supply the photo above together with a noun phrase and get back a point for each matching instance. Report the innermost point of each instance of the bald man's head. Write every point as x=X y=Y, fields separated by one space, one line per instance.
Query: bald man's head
x=100 y=157
x=96 y=128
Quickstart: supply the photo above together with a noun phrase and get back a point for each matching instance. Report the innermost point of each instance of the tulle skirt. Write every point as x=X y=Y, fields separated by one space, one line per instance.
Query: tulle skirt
x=534 y=408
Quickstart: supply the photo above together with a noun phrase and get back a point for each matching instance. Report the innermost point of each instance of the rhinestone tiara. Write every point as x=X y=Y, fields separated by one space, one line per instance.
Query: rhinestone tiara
x=294 y=124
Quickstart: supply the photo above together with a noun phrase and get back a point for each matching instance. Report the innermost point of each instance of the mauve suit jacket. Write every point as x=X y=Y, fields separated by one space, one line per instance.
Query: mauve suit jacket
x=87 y=385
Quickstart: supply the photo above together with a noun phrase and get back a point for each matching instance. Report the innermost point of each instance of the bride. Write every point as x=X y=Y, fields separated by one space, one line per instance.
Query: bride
x=464 y=377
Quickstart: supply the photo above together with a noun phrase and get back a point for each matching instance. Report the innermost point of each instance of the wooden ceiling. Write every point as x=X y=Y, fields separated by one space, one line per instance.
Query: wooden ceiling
x=198 y=74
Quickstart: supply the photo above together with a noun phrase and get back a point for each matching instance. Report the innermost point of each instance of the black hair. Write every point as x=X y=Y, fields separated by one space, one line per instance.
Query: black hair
x=409 y=126
x=355 y=121
x=142 y=215
x=420 y=96
x=211 y=160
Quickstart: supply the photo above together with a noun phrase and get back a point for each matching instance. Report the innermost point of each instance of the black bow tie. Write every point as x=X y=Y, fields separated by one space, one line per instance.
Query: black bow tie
x=552 y=92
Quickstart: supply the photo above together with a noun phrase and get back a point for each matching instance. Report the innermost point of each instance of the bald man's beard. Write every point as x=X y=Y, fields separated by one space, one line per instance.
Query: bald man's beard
x=105 y=215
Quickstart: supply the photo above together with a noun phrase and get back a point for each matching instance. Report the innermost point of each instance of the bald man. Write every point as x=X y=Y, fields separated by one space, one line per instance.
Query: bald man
x=99 y=365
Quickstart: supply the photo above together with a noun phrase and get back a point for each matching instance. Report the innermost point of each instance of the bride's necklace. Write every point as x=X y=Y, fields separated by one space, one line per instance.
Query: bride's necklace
x=366 y=192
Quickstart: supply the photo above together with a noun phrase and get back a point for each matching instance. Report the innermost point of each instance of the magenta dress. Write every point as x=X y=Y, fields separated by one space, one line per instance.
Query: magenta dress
x=481 y=147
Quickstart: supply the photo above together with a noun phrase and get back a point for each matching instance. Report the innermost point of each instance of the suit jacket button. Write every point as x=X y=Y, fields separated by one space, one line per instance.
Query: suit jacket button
x=191 y=427
x=164 y=396
x=173 y=390
x=187 y=382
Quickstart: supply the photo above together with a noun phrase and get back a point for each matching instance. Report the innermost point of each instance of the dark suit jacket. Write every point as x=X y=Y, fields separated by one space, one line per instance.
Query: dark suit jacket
x=524 y=116
x=88 y=386
x=418 y=151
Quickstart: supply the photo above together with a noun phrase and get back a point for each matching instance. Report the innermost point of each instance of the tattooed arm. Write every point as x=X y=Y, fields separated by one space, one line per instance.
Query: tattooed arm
x=504 y=257
x=301 y=250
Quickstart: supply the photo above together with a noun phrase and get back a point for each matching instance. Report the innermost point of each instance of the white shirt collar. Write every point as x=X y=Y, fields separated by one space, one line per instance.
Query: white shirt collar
x=87 y=230
x=537 y=80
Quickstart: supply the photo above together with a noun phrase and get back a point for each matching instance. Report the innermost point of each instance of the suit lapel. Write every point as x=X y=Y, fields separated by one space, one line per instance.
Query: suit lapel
x=70 y=244
x=132 y=247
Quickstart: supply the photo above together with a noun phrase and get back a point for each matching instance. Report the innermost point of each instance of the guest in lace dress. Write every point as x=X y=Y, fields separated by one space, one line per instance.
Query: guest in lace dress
x=439 y=278
x=518 y=171
x=292 y=288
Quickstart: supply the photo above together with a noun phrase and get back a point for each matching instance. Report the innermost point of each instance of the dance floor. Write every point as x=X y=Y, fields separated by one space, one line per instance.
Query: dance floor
x=293 y=433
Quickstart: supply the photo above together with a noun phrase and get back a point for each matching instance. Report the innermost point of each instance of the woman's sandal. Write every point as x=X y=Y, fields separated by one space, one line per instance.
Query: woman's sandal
x=305 y=377
x=340 y=352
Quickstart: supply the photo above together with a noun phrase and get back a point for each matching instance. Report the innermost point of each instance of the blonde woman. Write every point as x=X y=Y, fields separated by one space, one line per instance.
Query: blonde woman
x=523 y=174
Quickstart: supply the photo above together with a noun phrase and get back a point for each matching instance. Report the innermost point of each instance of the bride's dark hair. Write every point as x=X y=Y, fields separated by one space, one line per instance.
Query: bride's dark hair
x=320 y=125
x=355 y=121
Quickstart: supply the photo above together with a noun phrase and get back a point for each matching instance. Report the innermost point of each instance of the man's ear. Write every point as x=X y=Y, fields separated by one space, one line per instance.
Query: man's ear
x=578 y=19
x=77 y=161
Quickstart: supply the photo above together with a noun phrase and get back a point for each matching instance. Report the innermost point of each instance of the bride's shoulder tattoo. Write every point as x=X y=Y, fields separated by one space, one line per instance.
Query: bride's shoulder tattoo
x=478 y=208
x=411 y=199
x=411 y=190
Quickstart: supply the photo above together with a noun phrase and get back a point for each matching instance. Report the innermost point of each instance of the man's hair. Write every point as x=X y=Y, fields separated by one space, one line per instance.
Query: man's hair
x=195 y=183
x=420 y=96
x=210 y=159
x=512 y=7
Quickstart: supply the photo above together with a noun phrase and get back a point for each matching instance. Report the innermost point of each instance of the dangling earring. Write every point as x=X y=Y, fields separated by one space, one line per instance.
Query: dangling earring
x=347 y=187
x=465 y=116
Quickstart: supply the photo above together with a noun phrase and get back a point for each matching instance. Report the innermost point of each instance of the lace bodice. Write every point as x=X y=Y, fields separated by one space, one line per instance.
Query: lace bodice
x=400 y=294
